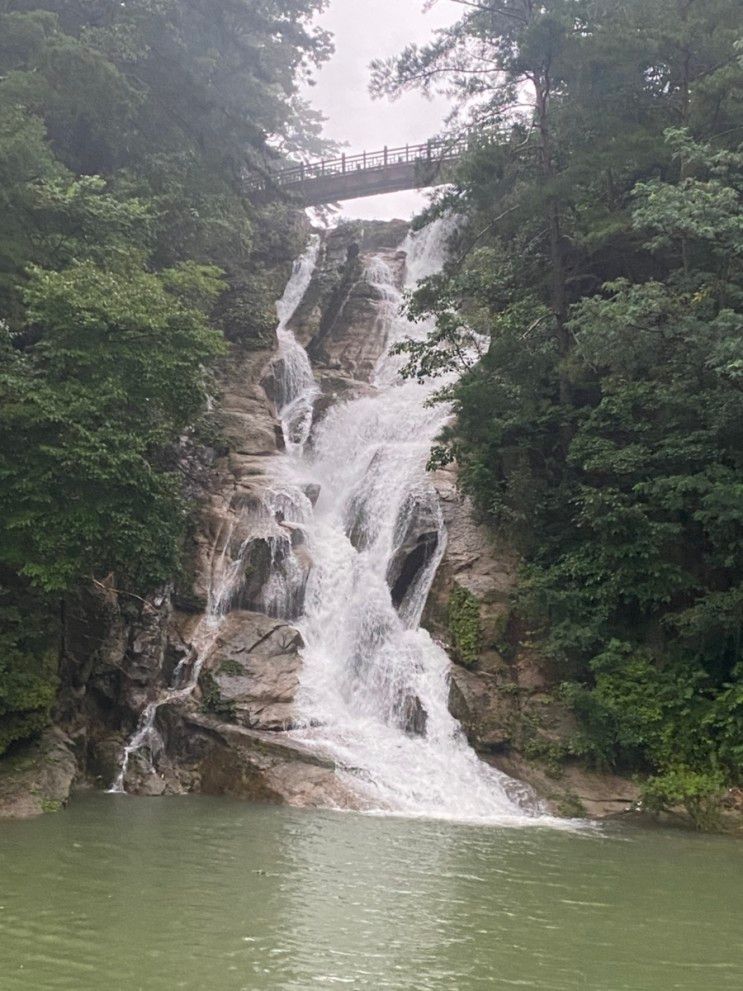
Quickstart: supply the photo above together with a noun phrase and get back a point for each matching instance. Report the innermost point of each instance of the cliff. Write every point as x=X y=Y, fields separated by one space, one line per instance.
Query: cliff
x=502 y=691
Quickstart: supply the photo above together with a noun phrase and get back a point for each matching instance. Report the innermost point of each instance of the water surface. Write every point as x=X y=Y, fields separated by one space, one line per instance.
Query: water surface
x=213 y=895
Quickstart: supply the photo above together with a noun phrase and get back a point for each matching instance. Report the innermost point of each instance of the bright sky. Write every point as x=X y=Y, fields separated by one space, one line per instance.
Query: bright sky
x=363 y=30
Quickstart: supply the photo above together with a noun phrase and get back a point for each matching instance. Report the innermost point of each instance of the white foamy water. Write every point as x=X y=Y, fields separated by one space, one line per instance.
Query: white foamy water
x=374 y=686
x=297 y=389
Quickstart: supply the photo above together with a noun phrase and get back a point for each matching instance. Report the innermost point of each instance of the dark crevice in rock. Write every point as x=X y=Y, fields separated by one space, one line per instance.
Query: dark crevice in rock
x=410 y=565
x=414 y=717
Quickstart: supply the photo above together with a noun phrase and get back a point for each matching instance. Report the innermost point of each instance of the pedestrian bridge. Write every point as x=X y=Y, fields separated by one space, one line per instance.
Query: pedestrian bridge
x=368 y=174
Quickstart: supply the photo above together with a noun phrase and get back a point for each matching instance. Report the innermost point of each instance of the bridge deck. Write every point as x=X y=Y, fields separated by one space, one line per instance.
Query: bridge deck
x=368 y=174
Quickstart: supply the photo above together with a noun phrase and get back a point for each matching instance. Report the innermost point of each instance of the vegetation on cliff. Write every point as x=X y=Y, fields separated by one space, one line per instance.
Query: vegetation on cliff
x=128 y=253
x=600 y=255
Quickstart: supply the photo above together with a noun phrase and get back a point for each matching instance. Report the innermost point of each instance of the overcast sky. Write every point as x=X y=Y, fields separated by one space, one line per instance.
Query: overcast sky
x=363 y=30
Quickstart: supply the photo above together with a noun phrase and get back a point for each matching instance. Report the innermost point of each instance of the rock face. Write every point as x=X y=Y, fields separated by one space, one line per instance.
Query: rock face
x=501 y=691
x=231 y=760
x=37 y=777
x=416 y=541
x=337 y=321
x=252 y=673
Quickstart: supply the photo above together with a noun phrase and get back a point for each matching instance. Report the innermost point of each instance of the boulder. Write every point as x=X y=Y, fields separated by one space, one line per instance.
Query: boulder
x=416 y=541
x=275 y=572
x=351 y=337
x=252 y=673
x=260 y=766
x=413 y=716
x=312 y=491
x=489 y=716
x=38 y=776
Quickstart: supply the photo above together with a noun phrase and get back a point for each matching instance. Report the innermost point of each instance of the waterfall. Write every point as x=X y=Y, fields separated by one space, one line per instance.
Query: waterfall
x=297 y=391
x=374 y=684
x=344 y=539
x=225 y=576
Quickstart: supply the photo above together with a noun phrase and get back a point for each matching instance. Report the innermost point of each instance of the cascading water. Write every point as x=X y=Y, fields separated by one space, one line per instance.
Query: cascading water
x=224 y=578
x=297 y=391
x=374 y=687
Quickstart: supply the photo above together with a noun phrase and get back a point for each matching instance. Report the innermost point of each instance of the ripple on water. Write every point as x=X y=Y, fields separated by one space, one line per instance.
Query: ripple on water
x=211 y=895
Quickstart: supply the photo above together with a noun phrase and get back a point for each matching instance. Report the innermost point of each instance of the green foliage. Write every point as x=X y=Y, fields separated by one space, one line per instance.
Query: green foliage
x=698 y=793
x=128 y=252
x=636 y=714
x=231 y=668
x=84 y=419
x=552 y=755
x=599 y=253
x=27 y=662
x=464 y=625
x=212 y=702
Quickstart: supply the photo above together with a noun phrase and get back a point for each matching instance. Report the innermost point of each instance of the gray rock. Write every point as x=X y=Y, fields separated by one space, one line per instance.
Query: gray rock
x=312 y=491
x=38 y=777
x=416 y=541
x=252 y=673
x=414 y=716
x=259 y=766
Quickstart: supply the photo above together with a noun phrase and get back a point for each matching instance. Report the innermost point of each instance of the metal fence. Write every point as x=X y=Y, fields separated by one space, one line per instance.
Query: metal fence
x=431 y=152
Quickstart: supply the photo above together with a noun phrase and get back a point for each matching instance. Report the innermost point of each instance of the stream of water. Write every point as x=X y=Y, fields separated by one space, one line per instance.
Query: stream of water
x=374 y=685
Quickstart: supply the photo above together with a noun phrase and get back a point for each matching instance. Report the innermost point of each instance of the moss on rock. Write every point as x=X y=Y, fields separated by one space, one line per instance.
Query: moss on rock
x=464 y=626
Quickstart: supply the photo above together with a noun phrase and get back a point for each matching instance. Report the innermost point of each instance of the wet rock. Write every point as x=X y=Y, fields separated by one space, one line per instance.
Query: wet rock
x=177 y=652
x=414 y=716
x=103 y=756
x=142 y=778
x=351 y=336
x=114 y=651
x=275 y=572
x=338 y=320
x=338 y=265
x=252 y=674
x=260 y=766
x=37 y=777
x=272 y=382
x=489 y=716
x=148 y=640
x=416 y=542
x=297 y=535
x=577 y=791
x=312 y=491
x=246 y=416
x=409 y=562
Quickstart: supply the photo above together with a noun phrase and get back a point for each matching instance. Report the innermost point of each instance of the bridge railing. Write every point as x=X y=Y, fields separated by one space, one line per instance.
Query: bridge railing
x=433 y=152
